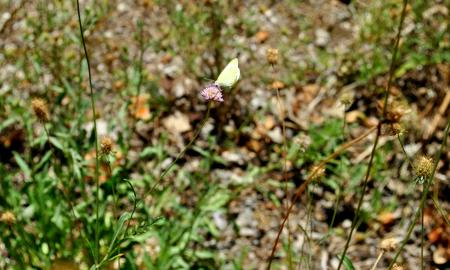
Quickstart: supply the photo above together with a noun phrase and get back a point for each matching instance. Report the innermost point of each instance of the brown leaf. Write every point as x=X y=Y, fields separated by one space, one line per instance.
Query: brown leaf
x=139 y=108
x=262 y=36
x=353 y=116
x=386 y=218
x=435 y=235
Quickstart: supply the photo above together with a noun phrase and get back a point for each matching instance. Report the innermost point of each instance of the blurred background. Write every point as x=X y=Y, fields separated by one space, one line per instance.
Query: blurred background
x=221 y=206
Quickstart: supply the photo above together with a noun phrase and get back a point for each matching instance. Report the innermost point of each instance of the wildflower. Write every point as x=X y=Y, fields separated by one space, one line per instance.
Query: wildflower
x=423 y=168
x=40 y=109
x=212 y=92
x=106 y=144
x=272 y=56
x=8 y=218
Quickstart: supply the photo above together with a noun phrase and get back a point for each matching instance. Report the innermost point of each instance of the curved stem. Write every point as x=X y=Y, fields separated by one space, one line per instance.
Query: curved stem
x=424 y=194
x=385 y=105
x=402 y=145
x=310 y=178
x=181 y=154
x=97 y=195
x=285 y=177
x=422 y=232
x=374 y=267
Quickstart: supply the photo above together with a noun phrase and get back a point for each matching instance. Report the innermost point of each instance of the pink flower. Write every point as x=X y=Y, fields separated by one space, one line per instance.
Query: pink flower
x=212 y=92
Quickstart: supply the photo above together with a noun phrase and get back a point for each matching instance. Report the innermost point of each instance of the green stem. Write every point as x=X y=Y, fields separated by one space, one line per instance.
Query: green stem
x=404 y=151
x=424 y=194
x=285 y=177
x=422 y=232
x=66 y=196
x=385 y=103
x=181 y=154
x=344 y=125
x=97 y=195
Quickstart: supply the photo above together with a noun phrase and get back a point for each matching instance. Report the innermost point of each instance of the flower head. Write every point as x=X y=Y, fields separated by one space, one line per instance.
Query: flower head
x=272 y=56
x=423 y=167
x=212 y=92
x=40 y=109
x=8 y=218
x=106 y=145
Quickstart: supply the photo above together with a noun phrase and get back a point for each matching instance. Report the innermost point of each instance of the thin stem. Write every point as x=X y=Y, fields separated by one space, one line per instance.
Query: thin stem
x=361 y=198
x=441 y=211
x=285 y=177
x=424 y=194
x=372 y=155
x=140 y=63
x=97 y=195
x=374 y=267
x=69 y=202
x=344 y=125
x=402 y=145
x=422 y=233
x=308 y=180
x=181 y=154
x=333 y=218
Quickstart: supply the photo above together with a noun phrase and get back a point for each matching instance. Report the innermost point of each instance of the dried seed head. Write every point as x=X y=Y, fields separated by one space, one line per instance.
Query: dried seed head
x=398 y=267
x=346 y=98
x=317 y=172
x=106 y=144
x=277 y=85
x=40 y=109
x=389 y=244
x=423 y=167
x=272 y=56
x=394 y=112
x=8 y=218
x=392 y=129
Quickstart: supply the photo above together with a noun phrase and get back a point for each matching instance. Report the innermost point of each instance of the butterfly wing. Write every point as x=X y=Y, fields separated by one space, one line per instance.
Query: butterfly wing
x=230 y=74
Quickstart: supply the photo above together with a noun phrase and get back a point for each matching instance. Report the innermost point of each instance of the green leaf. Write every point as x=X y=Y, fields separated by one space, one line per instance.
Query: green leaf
x=124 y=217
x=7 y=123
x=216 y=201
x=347 y=263
x=44 y=159
x=22 y=164
x=57 y=143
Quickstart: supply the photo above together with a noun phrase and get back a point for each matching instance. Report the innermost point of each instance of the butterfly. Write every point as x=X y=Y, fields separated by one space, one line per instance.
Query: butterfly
x=229 y=75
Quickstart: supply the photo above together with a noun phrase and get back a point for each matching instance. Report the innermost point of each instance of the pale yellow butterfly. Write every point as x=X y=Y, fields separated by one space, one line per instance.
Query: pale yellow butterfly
x=230 y=74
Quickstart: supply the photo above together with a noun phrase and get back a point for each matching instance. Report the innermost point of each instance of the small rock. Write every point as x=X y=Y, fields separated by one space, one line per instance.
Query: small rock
x=322 y=37
x=177 y=123
x=233 y=157
x=346 y=223
x=439 y=256
x=219 y=220
x=275 y=135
